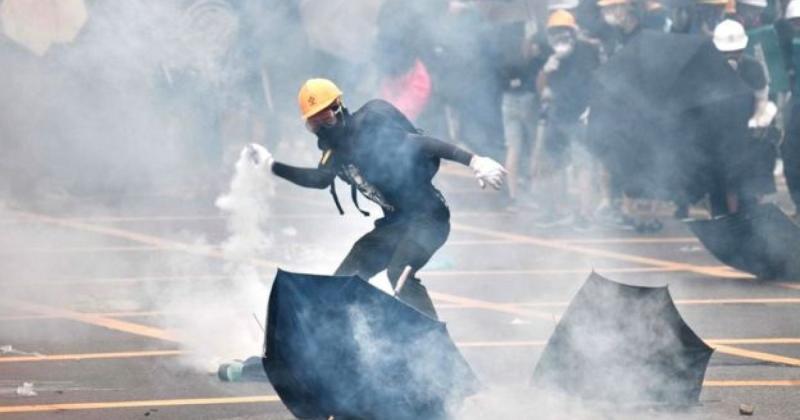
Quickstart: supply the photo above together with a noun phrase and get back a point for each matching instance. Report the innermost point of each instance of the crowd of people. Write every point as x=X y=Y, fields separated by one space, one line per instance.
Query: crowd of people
x=521 y=91
x=513 y=81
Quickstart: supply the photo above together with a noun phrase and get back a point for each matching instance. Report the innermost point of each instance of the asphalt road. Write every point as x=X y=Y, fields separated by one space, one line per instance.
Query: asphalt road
x=81 y=286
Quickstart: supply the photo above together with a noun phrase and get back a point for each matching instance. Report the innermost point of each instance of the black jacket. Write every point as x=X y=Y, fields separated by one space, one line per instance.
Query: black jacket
x=385 y=158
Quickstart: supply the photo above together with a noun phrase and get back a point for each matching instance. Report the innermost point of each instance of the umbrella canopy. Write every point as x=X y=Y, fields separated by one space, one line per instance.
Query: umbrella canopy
x=760 y=240
x=339 y=346
x=667 y=113
x=37 y=24
x=624 y=344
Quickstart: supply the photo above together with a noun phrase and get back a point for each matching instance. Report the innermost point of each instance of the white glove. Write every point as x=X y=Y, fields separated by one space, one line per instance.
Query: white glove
x=763 y=115
x=552 y=64
x=259 y=155
x=487 y=170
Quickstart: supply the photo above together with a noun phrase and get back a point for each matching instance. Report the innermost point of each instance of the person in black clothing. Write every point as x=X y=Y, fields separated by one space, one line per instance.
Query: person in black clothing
x=756 y=158
x=564 y=85
x=386 y=159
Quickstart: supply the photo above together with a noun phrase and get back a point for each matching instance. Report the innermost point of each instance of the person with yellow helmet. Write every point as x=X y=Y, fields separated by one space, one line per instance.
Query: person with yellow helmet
x=564 y=86
x=380 y=153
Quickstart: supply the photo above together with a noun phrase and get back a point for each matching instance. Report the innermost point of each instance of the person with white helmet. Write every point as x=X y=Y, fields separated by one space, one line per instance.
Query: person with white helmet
x=731 y=39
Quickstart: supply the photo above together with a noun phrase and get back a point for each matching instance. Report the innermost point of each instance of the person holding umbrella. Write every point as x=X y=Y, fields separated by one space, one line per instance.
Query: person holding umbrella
x=387 y=160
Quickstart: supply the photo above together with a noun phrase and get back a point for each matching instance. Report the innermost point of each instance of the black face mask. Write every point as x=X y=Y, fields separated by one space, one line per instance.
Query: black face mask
x=334 y=136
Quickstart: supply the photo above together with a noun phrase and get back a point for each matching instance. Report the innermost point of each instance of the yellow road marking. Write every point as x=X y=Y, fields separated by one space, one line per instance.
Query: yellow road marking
x=662 y=240
x=757 y=355
x=482 y=304
x=149 y=331
x=136 y=404
x=141 y=238
x=721 y=341
x=80 y=250
x=562 y=246
x=681 y=302
x=102 y=321
x=543 y=271
x=752 y=383
x=89 y=356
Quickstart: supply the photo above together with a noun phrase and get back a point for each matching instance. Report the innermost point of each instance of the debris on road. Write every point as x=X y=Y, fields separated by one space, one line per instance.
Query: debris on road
x=26 y=390
x=746 y=409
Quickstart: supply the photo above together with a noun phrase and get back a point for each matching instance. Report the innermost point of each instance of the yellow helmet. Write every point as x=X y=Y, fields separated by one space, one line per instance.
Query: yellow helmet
x=604 y=3
x=316 y=95
x=561 y=19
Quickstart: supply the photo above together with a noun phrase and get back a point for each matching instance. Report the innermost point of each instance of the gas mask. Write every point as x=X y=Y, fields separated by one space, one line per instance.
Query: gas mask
x=333 y=133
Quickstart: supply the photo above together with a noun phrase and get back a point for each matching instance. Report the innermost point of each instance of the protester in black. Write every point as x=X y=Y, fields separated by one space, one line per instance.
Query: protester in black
x=387 y=160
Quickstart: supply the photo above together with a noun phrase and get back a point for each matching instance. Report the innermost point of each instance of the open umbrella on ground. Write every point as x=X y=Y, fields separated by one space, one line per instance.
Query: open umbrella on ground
x=760 y=240
x=37 y=24
x=626 y=345
x=337 y=346
x=668 y=115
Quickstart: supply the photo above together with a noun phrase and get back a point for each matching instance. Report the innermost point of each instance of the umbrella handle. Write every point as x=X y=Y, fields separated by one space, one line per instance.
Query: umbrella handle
x=402 y=280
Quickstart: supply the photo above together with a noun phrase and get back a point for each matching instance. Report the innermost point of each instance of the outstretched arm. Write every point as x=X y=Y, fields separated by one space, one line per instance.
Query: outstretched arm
x=305 y=177
x=320 y=177
x=436 y=148
x=487 y=170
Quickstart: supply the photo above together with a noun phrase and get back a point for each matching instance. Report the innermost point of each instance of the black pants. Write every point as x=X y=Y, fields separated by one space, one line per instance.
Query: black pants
x=397 y=242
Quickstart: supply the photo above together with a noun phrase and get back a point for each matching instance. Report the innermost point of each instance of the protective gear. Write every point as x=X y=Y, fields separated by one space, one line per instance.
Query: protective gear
x=562 y=4
x=604 y=3
x=755 y=3
x=259 y=155
x=793 y=10
x=563 y=49
x=730 y=35
x=487 y=170
x=561 y=19
x=315 y=95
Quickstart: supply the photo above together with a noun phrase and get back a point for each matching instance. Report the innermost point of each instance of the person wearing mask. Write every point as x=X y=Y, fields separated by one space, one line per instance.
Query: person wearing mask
x=383 y=157
x=564 y=86
x=758 y=155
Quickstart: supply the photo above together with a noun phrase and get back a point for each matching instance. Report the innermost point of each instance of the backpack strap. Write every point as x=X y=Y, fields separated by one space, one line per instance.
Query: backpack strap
x=336 y=197
x=354 y=196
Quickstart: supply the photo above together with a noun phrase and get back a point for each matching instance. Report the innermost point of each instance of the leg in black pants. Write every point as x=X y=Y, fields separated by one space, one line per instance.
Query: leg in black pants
x=395 y=244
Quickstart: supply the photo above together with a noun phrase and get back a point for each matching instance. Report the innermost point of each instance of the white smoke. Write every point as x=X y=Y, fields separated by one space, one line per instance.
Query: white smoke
x=215 y=323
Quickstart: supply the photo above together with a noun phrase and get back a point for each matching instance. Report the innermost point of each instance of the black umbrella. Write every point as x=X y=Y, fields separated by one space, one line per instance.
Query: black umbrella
x=760 y=240
x=337 y=346
x=624 y=344
x=666 y=112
